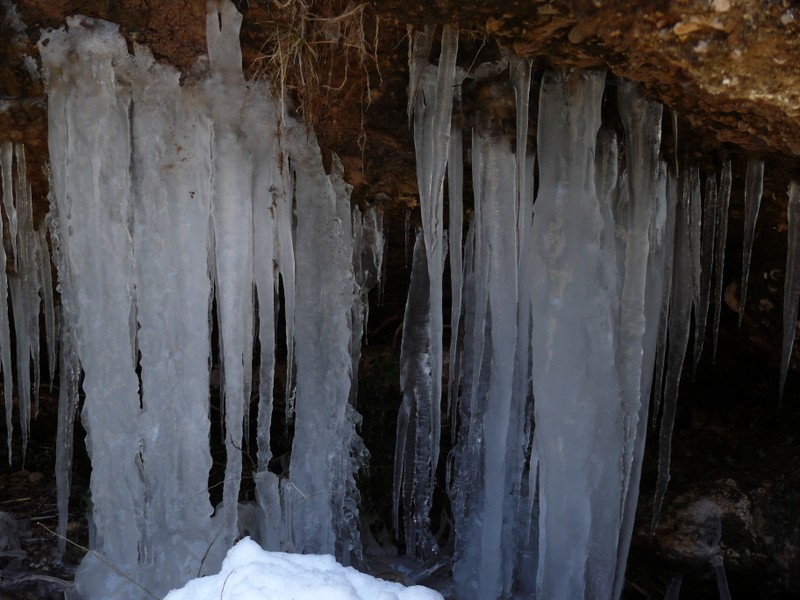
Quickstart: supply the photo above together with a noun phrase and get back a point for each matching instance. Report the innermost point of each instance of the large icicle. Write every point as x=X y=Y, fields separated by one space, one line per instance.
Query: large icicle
x=641 y=297
x=90 y=148
x=232 y=222
x=753 y=187
x=415 y=365
x=791 y=286
x=723 y=202
x=432 y=122
x=499 y=205
x=321 y=469
x=170 y=215
x=579 y=420
x=268 y=191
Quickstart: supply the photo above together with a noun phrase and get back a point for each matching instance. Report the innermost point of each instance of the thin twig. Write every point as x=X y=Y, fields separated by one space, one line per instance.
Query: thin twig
x=102 y=560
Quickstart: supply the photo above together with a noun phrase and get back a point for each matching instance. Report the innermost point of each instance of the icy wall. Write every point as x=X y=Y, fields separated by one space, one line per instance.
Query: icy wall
x=166 y=197
x=562 y=304
x=585 y=253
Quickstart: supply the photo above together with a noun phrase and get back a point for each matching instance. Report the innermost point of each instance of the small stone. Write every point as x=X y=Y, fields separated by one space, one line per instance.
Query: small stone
x=721 y=5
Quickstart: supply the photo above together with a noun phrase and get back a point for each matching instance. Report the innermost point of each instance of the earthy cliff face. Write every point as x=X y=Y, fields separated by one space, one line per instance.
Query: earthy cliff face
x=730 y=69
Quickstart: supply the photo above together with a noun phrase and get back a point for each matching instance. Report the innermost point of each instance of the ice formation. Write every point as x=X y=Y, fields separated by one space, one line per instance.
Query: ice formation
x=753 y=187
x=791 y=286
x=180 y=207
x=171 y=200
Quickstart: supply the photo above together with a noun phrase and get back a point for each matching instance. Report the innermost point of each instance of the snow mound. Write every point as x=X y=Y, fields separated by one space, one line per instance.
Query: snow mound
x=250 y=573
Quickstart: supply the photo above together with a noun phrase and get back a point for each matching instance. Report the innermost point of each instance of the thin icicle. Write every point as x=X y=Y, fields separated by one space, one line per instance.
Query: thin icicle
x=455 y=187
x=695 y=235
x=663 y=325
x=753 y=187
x=5 y=333
x=69 y=381
x=791 y=286
x=46 y=278
x=679 y=327
x=520 y=71
x=723 y=203
x=710 y=213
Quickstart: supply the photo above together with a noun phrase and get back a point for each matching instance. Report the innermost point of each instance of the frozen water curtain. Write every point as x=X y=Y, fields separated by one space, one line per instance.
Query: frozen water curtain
x=175 y=206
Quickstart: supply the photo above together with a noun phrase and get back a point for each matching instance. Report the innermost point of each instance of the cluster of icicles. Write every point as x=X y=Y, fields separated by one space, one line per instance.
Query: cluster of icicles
x=169 y=201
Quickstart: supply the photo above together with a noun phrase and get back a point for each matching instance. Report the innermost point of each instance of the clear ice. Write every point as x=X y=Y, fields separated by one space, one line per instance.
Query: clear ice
x=791 y=286
x=753 y=187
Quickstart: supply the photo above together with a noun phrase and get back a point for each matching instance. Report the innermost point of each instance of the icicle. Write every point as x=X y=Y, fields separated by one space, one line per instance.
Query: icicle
x=6 y=159
x=710 y=213
x=663 y=324
x=90 y=146
x=791 y=286
x=69 y=384
x=410 y=462
x=406 y=235
x=695 y=235
x=719 y=248
x=24 y=286
x=722 y=580
x=432 y=122
x=455 y=187
x=232 y=222
x=577 y=412
x=520 y=70
x=498 y=203
x=753 y=187
x=46 y=278
x=640 y=299
x=323 y=460
x=261 y=122
x=679 y=327
x=171 y=135
x=418 y=50
x=5 y=333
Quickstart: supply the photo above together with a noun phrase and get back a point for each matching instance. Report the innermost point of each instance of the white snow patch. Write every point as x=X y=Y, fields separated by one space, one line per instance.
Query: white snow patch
x=250 y=573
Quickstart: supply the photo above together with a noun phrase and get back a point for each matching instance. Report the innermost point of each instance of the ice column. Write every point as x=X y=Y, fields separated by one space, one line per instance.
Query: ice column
x=170 y=224
x=323 y=515
x=579 y=420
x=90 y=147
